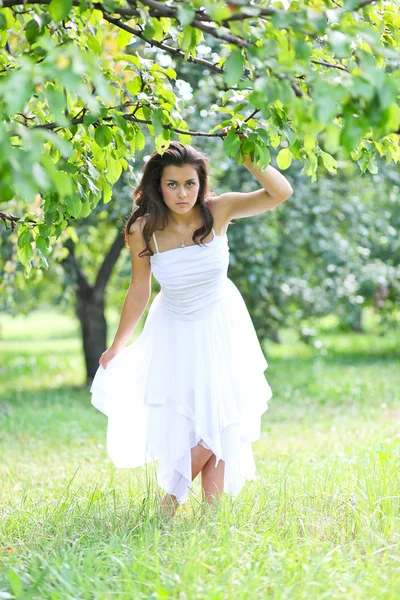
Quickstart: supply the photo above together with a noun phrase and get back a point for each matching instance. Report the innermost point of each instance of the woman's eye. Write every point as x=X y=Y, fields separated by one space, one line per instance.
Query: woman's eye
x=191 y=183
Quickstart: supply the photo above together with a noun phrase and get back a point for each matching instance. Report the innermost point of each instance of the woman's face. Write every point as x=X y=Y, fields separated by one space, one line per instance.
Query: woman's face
x=180 y=187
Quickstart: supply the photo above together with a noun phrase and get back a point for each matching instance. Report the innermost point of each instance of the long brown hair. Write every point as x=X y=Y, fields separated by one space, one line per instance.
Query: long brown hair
x=149 y=200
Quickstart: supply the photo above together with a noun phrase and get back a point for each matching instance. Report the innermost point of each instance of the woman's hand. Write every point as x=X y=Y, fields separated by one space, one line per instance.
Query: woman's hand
x=225 y=131
x=108 y=355
x=247 y=163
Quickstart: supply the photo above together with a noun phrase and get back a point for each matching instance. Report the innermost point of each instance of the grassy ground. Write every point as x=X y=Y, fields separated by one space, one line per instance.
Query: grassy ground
x=320 y=521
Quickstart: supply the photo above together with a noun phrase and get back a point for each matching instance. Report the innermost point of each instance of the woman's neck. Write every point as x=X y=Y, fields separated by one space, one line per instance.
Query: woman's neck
x=184 y=220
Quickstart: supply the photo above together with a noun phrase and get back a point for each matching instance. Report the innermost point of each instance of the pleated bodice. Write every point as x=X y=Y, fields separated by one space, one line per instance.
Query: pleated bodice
x=192 y=278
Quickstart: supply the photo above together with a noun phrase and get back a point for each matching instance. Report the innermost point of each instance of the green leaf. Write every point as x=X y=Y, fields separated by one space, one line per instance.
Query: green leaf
x=171 y=73
x=94 y=45
x=184 y=139
x=17 y=91
x=185 y=13
x=57 y=140
x=329 y=162
x=103 y=136
x=60 y=9
x=121 y=148
x=263 y=153
x=350 y=4
x=24 y=255
x=362 y=87
x=134 y=86
x=156 y=120
x=310 y=166
x=219 y=12
x=231 y=143
x=284 y=159
x=233 y=67
x=162 y=141
x=74 y=205
x=56 y=99
x=63 y=183
x=43 y=262
x=301 y=48
x=32 y=31
x=44 y=230
x=332 y=137
x=353 y=130
x=24 y=237
x=107 y=193
x=149 y=30
x=42 y=243
x=295 y=149
x=372 y=165
x=158 y=34
x=316 y=19
x=326 y=98
x=96 y=17
x=114 y=171
x=85 y=212
x=387 y=92
x=140 y=141
x=309 y=141
x=123 y=38
x=339 y=43
x=129 y=58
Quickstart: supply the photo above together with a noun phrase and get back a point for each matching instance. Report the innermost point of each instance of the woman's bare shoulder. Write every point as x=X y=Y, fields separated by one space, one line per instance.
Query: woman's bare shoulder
x=138 y=224
x=137 y=227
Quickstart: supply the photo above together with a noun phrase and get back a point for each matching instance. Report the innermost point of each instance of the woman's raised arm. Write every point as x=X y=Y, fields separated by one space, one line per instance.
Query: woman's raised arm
x=276 y=189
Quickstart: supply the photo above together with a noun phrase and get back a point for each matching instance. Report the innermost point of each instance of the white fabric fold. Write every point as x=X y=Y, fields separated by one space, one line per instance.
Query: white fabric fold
x=195 y=373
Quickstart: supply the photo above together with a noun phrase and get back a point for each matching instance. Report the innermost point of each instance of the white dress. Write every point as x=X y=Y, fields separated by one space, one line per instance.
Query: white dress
x=194 y=375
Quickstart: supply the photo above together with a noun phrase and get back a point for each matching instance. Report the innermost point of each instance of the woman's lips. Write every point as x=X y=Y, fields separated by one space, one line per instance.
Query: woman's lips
x=181 y=202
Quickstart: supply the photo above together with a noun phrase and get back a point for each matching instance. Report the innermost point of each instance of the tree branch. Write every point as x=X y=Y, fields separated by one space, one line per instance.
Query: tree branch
x=171 y=12
x=331 y=65
x=6 y=217
x=157 y=9
x=13 y=220
x=107 y=266
x=128 y=117
x=175 y=52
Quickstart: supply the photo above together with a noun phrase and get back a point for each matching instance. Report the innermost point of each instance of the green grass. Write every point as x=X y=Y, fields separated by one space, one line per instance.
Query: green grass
x=320 y=521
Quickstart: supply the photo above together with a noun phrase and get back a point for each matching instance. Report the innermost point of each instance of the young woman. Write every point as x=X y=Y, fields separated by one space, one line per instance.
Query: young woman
x=190 y=390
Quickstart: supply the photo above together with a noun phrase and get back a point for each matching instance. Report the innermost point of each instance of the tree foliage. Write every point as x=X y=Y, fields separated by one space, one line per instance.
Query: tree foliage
x=82 y=82
x=334 y=251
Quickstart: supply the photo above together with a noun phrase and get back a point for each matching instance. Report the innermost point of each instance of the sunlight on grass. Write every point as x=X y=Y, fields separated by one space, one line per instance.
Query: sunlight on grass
x=320 y=520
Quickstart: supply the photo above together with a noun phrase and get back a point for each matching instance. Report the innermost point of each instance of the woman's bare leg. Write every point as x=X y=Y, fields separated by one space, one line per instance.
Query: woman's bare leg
x=212 y=481
x=200 y=456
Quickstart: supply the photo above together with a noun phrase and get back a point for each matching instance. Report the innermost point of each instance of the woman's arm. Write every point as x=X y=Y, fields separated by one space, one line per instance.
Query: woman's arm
x=137 y=296
x=271 y=179
x=134 y=306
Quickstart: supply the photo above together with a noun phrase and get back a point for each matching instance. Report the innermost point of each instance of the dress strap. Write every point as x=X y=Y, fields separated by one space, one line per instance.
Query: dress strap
x=155 y=241
x=213 y=230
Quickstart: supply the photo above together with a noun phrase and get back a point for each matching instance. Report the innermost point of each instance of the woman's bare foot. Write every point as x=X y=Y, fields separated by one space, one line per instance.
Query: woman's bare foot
x=209 y=505
x=169 y=505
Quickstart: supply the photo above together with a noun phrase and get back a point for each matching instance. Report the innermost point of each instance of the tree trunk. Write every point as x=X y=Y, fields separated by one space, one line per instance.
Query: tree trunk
x=90 y=311
x=356 y=322
x=90 y=303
